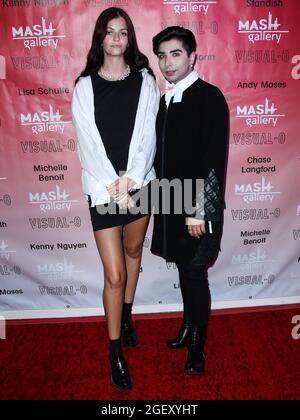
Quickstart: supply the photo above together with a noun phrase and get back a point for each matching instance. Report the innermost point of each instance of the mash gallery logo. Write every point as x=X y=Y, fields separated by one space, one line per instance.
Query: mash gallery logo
x=51 y=200
x=253 y=260
x=266 y=29
x=44 y=121
x=189 y=6
x=37 y=35
x=258 y=191
x=59 y=270
x=260 y=114
x=5 y=252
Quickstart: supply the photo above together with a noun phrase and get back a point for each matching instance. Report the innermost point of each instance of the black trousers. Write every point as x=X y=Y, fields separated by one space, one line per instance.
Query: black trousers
x=193 y=277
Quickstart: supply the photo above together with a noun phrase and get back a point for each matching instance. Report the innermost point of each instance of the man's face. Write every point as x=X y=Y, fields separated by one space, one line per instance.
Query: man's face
x=173 y=60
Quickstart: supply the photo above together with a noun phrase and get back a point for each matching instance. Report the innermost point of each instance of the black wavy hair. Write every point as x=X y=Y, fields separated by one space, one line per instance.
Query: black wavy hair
x=132 y=55
x=175 y=32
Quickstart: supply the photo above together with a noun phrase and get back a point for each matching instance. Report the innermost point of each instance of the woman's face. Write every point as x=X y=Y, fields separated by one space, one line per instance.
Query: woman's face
x=116 y=39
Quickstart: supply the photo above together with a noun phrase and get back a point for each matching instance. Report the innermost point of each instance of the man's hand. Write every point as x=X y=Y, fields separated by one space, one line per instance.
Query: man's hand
x=196 y=227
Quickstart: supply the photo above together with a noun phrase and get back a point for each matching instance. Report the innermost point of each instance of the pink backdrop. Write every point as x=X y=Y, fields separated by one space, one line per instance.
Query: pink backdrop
x=48 y=261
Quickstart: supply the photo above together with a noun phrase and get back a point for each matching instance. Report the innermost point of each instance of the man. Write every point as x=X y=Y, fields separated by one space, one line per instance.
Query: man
x=192 y=134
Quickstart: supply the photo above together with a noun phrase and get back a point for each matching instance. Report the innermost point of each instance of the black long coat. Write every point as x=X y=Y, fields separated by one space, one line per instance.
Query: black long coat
x=192 y=142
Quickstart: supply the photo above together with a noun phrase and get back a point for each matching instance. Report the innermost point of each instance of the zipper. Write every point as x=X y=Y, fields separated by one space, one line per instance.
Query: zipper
x=162 y=176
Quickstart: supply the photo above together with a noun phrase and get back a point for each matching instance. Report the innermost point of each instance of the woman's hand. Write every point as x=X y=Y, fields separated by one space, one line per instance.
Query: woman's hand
x=119 y=189
x=126 y=202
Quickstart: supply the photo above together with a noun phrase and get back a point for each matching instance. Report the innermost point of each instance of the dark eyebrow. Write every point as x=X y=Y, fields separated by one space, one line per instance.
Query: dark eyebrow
x=173 y=51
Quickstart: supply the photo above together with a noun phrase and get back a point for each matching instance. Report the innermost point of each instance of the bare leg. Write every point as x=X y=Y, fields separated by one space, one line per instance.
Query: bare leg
x=133 y=239
x=110 y=247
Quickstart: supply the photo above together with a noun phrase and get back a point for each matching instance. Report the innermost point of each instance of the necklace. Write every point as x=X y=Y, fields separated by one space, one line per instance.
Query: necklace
x=113 y=77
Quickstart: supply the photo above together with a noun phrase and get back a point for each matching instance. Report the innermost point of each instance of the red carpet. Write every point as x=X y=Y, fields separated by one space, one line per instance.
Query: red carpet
x=249 y=356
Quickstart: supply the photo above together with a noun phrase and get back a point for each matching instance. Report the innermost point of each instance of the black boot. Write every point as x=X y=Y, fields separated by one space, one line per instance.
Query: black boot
x=120 y=376
x=128 y=335
x=180 y=339
x=195 y=345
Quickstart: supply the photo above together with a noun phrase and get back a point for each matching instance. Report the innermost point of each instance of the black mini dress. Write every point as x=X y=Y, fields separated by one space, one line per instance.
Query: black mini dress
x=116 y=105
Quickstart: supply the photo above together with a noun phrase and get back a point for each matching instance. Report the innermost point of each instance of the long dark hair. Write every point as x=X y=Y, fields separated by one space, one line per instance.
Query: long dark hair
x=132 y=55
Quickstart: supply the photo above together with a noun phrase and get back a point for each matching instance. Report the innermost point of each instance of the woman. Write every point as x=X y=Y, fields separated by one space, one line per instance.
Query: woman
x=114 y=107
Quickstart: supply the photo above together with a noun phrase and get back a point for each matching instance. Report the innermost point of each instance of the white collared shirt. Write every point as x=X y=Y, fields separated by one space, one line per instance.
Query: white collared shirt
x=176 y=89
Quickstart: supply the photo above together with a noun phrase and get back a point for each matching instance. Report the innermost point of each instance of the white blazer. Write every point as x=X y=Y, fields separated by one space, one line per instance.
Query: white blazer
x=97 y=170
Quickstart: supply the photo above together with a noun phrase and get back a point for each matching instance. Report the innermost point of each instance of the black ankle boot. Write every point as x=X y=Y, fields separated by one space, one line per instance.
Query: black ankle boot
x=120 y=376
x=128 y=335
x=180 y=339
x=195 y=357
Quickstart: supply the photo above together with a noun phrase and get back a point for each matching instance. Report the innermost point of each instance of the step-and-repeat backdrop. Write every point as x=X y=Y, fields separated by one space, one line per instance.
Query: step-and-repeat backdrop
x=49 y=264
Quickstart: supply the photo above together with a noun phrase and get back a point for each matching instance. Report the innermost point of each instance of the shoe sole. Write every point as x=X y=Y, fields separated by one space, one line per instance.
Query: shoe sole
x=193 y=373
x=118 y=387
x=129 y=346
x=178 y=346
